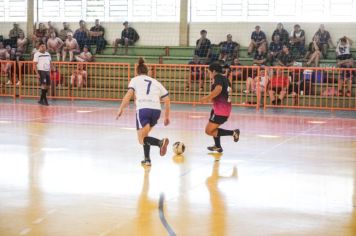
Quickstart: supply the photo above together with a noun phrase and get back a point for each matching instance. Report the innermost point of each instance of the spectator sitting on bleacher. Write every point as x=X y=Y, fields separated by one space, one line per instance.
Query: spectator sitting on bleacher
x=344 y=84
x=97 y=37
x=297 y=41
x=283 y=34
x=343 y=52
x=40 y=34
x=85 y=55
x=277 y=86
x=196 y=73
x=258 y=40
x=260 y=57
x=79 y=77
x=14 y=34
x=5 y=56
x=314 y=52
x=228 y=49
x=261 y=78
x=70 y=45
x=81 y=35
x=275 y=48
x=51 y=29
x=63 y=33
x=129 y=37
x=285 y=58
x=21 y=44
x=54 y=45
x=324 y=40
x=203 y=47
x=233 y=73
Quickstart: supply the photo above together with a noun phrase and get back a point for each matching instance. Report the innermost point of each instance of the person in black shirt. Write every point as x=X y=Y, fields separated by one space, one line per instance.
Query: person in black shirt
x=324 y=40
x=129 y=37
x=259 y=58
x=258 y=39
x=203 y=47
x=275 y=48
x=283 y=34
x=314 y=52
x=221 y=98
x=228 y=49
x=285 y=58
x=97 y=36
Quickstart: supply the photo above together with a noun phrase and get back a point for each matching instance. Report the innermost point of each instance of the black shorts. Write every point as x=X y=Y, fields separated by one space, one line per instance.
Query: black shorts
x=217 y=119
x=44 y=77
x=344 y=57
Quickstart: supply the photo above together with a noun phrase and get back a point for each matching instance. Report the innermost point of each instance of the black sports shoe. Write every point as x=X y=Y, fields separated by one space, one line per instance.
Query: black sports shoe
x=146 y=163
x=236 y=135
x=215 y=149
x=40 y=102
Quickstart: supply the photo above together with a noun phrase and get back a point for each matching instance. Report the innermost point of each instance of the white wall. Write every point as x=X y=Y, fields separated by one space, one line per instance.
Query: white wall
x=166 y=34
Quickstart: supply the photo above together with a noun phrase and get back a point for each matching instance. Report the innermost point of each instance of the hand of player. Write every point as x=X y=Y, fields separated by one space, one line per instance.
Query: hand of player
x=119 y=113
x=204 y=99
x=38 y=76
x=166 y=121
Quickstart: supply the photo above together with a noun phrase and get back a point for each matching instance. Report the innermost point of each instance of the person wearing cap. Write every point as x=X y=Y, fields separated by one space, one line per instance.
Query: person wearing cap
x=71 y=46
x=82 y=34
x=203 y=47
x=258 y=39
x=63 y=33
x=85 y=55
x=220 y=95
x=228 y=49
x=129 y=37
x=297 y=41
x=97 y=36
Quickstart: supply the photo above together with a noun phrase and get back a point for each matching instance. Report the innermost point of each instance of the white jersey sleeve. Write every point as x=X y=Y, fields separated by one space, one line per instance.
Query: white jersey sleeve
x=148 y=92
x=35 y=57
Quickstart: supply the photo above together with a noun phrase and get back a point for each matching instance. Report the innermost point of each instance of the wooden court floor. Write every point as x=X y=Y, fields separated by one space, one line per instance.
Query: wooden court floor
x=71 y=169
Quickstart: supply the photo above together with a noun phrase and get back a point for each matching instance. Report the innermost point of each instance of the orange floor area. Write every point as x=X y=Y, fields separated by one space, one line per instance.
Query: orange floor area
x=73 y=170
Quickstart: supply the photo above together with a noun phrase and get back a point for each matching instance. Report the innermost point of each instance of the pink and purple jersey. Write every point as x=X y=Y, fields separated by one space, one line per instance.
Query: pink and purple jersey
x=222 y=102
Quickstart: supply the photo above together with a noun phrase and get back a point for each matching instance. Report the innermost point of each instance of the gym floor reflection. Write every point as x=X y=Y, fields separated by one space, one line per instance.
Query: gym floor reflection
x=75 y=170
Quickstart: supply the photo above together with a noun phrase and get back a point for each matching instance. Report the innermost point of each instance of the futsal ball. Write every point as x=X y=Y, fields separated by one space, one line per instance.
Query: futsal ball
x=178 y=148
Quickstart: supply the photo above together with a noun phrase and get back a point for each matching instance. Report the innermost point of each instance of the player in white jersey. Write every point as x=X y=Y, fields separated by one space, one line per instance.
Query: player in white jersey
x=42 y=60
x=148 y=93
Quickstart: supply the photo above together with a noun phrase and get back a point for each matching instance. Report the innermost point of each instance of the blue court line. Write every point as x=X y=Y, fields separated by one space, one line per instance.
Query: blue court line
x=162 y=218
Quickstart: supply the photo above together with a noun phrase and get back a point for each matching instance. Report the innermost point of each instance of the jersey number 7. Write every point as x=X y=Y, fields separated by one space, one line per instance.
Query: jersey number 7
x=148 y=86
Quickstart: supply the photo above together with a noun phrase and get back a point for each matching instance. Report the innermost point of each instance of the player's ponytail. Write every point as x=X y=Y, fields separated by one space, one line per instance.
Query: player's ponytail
x=141 y=68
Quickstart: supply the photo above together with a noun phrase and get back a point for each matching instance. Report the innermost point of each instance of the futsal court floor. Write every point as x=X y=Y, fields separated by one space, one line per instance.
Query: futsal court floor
x=71 y=169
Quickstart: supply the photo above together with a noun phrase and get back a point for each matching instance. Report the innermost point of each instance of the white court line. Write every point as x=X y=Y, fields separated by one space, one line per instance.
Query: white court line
x=25 y=231
x=37 y=221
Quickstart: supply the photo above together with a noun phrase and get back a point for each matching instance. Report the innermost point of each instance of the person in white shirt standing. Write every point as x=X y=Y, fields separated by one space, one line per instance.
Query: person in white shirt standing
x=149 y=93
x=42 y=61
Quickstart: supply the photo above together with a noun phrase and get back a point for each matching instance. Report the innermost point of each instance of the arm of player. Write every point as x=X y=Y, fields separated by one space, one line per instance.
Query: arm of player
x=167 y=106
x=125 y=102
x=217 y=90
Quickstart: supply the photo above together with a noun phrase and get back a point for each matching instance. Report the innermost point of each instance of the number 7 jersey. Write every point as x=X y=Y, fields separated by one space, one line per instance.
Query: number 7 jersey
x=148 y=92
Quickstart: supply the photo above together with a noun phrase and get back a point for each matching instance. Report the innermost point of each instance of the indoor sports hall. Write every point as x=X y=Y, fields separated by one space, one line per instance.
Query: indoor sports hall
x=70 y=166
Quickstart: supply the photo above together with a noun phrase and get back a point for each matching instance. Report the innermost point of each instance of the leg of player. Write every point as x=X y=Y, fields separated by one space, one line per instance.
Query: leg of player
x=213 y=129
x=148 y=141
